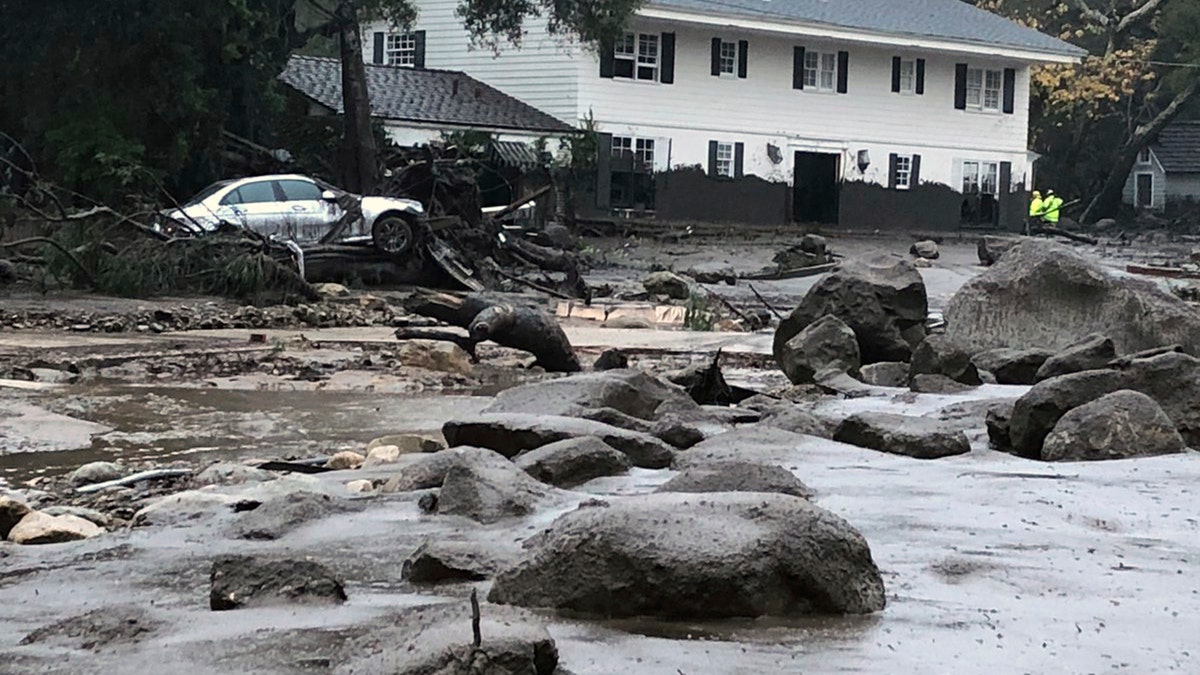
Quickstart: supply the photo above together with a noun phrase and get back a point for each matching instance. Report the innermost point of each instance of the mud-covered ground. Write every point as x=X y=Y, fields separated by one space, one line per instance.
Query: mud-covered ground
x=993 y=564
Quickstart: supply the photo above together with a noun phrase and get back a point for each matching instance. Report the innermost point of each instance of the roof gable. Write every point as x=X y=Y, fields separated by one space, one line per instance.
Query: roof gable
x=420 y=95
x=1178 y=147
x=952 y=20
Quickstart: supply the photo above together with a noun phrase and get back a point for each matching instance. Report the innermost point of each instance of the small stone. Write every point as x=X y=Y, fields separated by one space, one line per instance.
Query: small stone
x=923 y=263
x=434 y=355
x=667 y=283
x=224 y=473
x=383 y=454
x=360 y=487
x=11 y=513
x=97 y=472
x=927 y=250
x=345 y=460
x=611 y=359
x=885 y=374
x=332 y=290
x=39 y=528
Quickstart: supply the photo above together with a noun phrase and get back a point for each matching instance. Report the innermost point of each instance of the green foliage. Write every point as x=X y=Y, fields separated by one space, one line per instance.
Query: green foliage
x=492 y=22
x=698 y=315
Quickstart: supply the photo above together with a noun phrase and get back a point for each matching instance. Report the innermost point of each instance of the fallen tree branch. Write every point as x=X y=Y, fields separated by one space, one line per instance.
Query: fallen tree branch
x=70 y=256
x=1081 y=238
x=153 y=474
x=764 y=302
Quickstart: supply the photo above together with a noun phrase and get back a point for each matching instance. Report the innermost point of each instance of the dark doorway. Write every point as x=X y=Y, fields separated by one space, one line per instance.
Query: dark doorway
x=816 y=187
x=1145 y=190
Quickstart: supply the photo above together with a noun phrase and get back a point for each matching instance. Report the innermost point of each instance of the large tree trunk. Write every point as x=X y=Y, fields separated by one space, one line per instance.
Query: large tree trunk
x=360 y=164
x=1108 y=201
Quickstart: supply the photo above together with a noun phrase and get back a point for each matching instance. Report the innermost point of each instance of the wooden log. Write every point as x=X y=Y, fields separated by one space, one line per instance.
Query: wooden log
x=154 y=474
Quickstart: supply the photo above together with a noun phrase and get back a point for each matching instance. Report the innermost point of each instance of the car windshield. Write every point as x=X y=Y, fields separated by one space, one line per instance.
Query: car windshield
x=207 y=192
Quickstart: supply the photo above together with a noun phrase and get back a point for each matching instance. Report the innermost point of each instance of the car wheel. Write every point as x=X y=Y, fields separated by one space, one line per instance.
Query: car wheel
x=392 y=234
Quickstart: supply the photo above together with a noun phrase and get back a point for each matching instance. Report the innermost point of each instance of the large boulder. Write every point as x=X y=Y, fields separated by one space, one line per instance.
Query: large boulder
x=687 y=556
x=568 y=463
x=826 y=343
x=667 y=283
x=1171 y=379
x=938 y=355
x=227 y=473
x=1045 y=296
x=436 y=640
x=1092 y=352
x=438 y=561
x=282 y=513
x=41 y=528
x=488 y=492
x=1011 y=366
x=991 y=247
x=917 y=437
x=885 y=374
x=510 y=434
x=737 y=477
x=882 y=299
x=425 y=471
x=1115 y=426
x=629 y=391
x=238 y=581
x=927 y=249
x=793 y=418
x=97 y=472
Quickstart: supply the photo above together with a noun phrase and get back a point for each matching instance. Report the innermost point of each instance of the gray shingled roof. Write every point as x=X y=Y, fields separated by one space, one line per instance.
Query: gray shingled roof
x=1178 y=147
x=945 y=19
x=420 y=95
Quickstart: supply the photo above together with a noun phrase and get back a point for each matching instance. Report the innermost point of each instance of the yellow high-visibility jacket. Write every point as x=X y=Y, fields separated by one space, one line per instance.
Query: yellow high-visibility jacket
x=1035 y=207
x=1052 y=206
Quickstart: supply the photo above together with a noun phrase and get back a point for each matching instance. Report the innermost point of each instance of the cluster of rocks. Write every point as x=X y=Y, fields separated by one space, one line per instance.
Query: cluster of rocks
x=350 y=312
x=21 y=524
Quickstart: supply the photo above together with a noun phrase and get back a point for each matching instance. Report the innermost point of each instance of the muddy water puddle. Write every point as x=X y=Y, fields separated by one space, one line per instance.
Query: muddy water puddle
x=153 y=424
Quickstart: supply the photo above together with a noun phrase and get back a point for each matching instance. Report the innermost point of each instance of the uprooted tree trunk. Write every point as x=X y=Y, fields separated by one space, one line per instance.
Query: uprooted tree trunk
x=1108 y=201
x=488 y=317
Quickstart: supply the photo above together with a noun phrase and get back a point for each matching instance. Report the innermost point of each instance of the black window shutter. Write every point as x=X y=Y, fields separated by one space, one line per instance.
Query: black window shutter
x=716 y=57
x=377 y=57
x=419 y=43
x=743 y=55
x=1005 y=178
x=607 y=67
x=797 y=67
x=712 y=158
x=667 y=73
x=739 y=159
x=920 y=76
x=1010 y=90
x=893 y=165
x=843 y=72
x=960 y=86
x=914 y=176
x=895 y=74
x=603 y=170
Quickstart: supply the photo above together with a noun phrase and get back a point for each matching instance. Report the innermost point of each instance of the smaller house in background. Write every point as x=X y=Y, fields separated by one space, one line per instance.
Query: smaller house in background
x=418 y=105
x=1167 y=172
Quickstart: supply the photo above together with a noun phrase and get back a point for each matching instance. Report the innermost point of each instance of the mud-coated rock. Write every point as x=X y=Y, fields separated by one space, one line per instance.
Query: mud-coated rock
x=1092 y=352
x=882 y=299
x=611 y=359
x=436 y=640
x=40 y=528
x=795 y=419
x=676 y=432
x=826 y=343
x=511 y=434
x=1115 y=426
x=1044 y=296
x=667 y=283
x=488 y=492
x=438 y=561
x=571 y=462
x=97 y=472
x=344 y=460
x=238 y=581
x=990 y=247
x=11 y=513
x=737 y=477
x=409 y=442
x=690 y=556
x=224 y=473
x=628 y=391
x=445 y=357
x=283 y=513
x=1171 y=379
x=1011 y=366
x=885 y=374
x=917 y=437
x=90 y=515
x=927 y=249
x=997 y=420
x=424 y=471
x=938 y=355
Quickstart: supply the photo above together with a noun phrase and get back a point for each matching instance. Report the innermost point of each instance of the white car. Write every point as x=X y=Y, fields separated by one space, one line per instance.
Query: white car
x=295 y=208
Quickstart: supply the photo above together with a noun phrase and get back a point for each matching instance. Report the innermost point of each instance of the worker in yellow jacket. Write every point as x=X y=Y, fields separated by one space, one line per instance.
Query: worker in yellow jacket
x=1052 y=208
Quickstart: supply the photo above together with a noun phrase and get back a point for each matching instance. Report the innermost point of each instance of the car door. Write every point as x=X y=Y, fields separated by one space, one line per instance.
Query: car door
x=255 y=206
x=311 y=217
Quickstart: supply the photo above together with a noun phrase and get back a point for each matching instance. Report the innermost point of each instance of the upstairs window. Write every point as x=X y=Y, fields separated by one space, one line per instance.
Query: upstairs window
x=820 y=70
x=635 y=56
x=908 y=76
x=984 y=88
x=401 y=49
x=1144 y=156
x=728 y=58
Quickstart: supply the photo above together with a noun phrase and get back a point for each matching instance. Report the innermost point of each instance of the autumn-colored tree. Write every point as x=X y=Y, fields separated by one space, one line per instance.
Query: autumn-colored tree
x=1090 y=120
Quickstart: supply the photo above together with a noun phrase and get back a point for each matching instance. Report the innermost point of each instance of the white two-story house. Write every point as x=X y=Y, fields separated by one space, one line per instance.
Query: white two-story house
x=862 y=113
